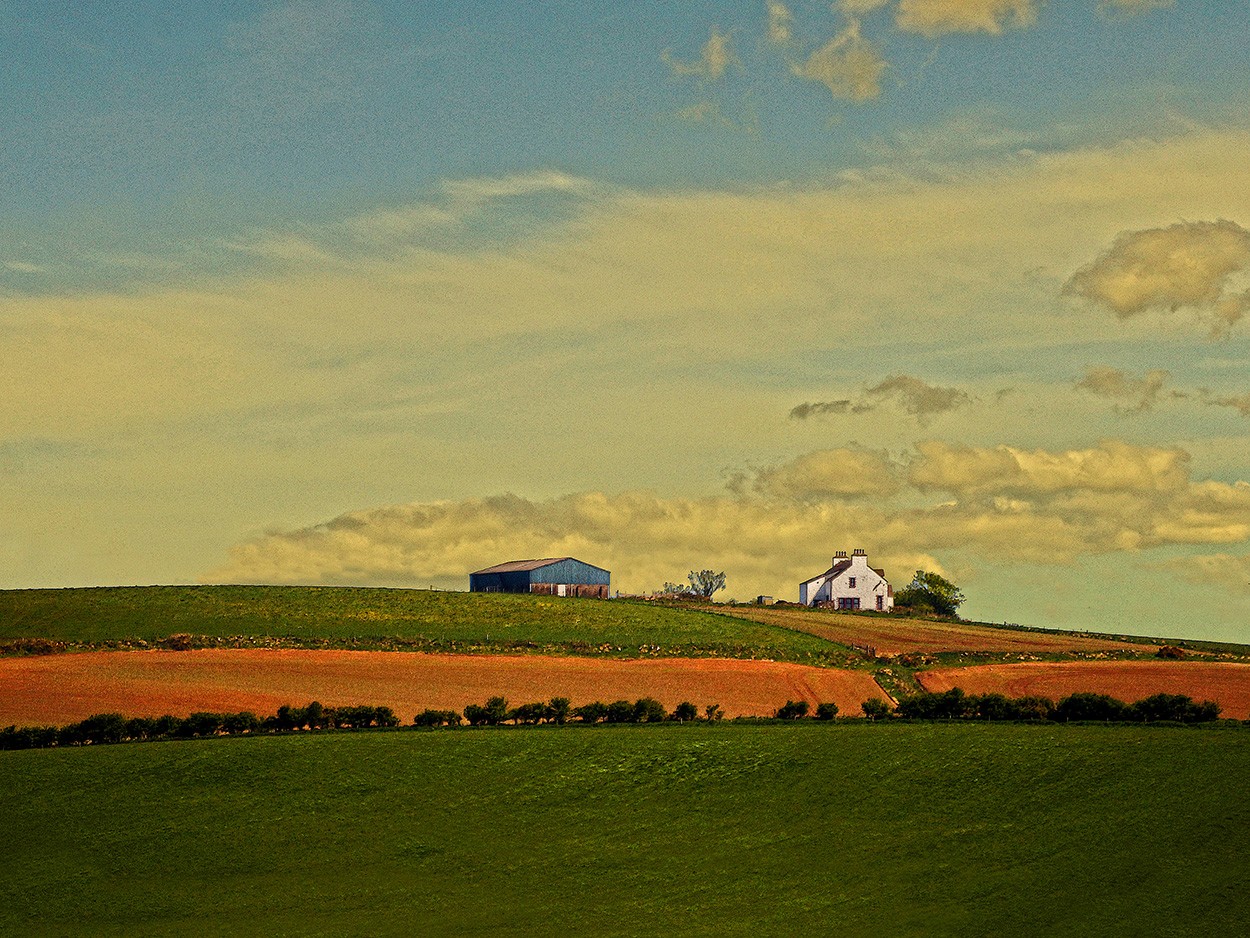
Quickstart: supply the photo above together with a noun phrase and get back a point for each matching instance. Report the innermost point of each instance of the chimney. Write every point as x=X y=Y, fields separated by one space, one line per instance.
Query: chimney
x=838 y=557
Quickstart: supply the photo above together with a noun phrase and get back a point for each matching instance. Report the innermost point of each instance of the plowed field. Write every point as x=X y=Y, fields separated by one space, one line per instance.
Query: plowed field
x=891 y=636
x=1226 y=683
x=63 y=688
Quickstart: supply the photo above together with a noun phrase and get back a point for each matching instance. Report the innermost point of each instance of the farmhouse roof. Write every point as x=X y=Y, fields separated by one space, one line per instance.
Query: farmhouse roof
x=832 y=571
x=519 y=566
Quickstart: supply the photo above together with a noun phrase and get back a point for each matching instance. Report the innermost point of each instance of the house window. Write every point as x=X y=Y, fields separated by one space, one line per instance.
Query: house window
x=848 y=602
x=850 y=581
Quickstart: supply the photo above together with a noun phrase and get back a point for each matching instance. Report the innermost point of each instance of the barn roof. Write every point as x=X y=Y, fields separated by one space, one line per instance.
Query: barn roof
x=520 y=566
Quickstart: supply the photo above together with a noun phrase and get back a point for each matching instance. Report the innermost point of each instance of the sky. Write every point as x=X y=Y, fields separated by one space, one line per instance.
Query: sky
x=376 y=293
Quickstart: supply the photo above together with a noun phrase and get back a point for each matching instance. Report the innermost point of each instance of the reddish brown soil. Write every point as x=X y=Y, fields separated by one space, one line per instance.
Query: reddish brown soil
x=59 y=689
x=895 y=636
x=1224 y=682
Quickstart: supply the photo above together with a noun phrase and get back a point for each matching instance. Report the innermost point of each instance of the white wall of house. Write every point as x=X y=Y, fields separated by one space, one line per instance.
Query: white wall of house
x=857 y=581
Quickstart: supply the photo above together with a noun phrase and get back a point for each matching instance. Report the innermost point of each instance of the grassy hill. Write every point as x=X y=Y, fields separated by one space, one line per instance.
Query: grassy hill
x=421 y=619
x=726 y=830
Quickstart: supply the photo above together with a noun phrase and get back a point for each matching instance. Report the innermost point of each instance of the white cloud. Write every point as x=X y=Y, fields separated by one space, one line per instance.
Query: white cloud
x=23 y=267
x=779 y=23
x=911 y=395
x=715 y=57
x=999 y=503
x=1127 y=8
x=1133 y=395
x=1185 y=265
x=938 y=17
x=849 y=65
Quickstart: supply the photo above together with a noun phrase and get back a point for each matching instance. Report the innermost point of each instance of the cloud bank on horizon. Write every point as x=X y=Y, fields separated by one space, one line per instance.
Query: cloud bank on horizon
x=733 y=291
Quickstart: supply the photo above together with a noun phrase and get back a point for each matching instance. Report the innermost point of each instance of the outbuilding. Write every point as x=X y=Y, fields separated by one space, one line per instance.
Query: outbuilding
x=554 y=576
x=849 y=584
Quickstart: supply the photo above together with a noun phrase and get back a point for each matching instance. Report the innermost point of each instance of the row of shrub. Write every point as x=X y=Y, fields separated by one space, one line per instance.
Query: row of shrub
x=947 y=705
x=560 y=710
x=115 y=728
x=956 y=705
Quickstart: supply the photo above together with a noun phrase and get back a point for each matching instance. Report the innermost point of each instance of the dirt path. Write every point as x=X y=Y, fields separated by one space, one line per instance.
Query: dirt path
x=1224 y=682
x=63 y=688
x=899 y=635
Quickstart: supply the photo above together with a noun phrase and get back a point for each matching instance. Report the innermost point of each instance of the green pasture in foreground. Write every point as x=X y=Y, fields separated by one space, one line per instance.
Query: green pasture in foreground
x=720 y=830
x=437 y=619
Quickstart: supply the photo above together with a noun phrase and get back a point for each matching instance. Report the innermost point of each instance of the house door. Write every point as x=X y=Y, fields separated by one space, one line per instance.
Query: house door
x=562 y=590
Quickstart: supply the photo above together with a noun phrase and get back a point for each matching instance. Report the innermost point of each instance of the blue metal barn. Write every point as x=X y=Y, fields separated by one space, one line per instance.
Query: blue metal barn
x=556 y=576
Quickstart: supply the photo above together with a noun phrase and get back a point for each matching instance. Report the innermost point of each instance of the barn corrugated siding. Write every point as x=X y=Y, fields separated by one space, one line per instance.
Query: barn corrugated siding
x=569 y=572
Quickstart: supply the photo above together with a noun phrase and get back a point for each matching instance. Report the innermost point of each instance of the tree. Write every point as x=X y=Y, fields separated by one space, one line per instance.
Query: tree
x=713 y=712
x=876 y=709
x=591 y=712
x=929 y=592
x=649 y=710
x=1089 y=706
x=529 y=712
x=705 y=582
x=619 y=711
x=686 y=712
x=558 y=710
x=826 y=711
x=792 y=710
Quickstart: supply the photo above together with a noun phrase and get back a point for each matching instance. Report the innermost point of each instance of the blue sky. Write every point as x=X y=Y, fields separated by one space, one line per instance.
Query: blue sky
x=376 y=293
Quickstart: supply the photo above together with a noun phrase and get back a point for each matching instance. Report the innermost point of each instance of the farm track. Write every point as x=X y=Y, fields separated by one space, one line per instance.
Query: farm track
x=69 y=687
x=1224 y=682
x=890 y=636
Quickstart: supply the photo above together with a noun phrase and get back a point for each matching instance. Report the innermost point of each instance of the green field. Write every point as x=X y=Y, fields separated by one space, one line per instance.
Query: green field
x=421 y=619
x=723 y=830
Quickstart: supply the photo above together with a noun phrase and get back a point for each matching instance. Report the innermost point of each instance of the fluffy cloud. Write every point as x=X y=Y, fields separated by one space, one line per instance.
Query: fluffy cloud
x=911 y=395
x=779 y=23
x=1189 y=264
x=938 y=17
x=831 y=473
x=917 y=398
x=1001 y=504
x=1111 y=467
x=849 y=65
x=715 y=58
x=1133 y=395
x=1230 y=571
x=1132 y=7
x=1239 y=402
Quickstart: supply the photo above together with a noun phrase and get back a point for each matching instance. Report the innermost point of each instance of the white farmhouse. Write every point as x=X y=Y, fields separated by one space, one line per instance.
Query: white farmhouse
x=849 y=584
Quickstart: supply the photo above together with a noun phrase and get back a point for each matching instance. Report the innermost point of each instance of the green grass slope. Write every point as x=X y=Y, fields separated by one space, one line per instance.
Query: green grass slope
x=425 y=619
x=726 y=830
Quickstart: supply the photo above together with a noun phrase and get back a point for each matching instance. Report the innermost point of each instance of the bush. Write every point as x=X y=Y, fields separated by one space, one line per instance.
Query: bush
x=649 y=710
x=528 y=713
x=592 y=712
x=557 y=710
x=199 y=724
x=243 y=722
x=1088 y=706
x=948 y=705
x=792 y=710
x=1171 y=652
x=619 y=711
x=437 y=718
x=1175 y=707
x=686 y=712
x=826 y=711
x=876 y=708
